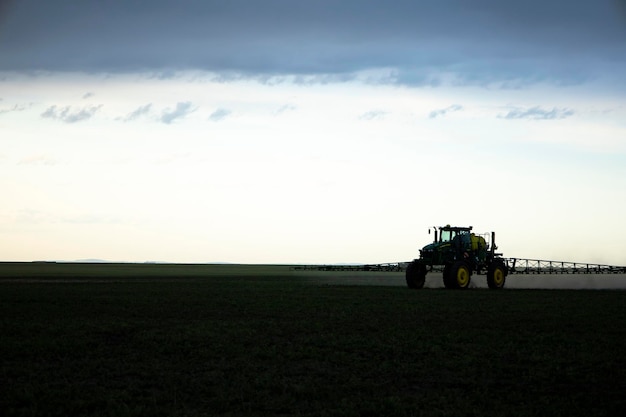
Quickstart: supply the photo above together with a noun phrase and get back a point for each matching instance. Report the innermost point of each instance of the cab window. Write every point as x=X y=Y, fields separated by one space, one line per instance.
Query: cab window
x=446 y=235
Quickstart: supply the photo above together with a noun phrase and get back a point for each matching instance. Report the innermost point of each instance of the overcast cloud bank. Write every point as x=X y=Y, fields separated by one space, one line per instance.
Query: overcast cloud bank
x=486 y=42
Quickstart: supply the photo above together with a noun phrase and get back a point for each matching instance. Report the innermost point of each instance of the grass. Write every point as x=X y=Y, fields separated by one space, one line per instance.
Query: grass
x=236 y=341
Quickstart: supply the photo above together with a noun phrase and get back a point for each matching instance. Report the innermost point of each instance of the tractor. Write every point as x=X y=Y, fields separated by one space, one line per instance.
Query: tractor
x=460 y=253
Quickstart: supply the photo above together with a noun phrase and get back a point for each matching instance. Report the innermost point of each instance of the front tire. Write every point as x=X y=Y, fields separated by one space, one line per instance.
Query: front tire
x=415 y=275
x=496 y=275
x=458 y=276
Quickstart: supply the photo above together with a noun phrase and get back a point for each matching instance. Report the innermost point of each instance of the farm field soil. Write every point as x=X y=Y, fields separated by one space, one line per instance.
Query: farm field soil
x=252 y=340
x=59 y=272
x=435 y=280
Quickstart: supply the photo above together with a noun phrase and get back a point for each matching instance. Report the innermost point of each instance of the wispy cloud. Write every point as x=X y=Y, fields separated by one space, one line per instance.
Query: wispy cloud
x=36 y=216
x=442 y=112
x=38 y=159
x=68 y=114
x=324 y=79
x=182 y=109
x=285 y=108
x=172 y=158
x=88 y=95
x=15 y=107
x=537 y=113
x=373 y=115
x=219 y=114
x=89 y=218
x=135 y=114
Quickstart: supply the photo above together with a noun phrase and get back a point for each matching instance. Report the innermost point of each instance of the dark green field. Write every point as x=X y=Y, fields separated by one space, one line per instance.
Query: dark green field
x=185 y=340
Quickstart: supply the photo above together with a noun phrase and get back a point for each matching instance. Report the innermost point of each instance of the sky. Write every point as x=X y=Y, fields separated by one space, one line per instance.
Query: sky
x=281 y=131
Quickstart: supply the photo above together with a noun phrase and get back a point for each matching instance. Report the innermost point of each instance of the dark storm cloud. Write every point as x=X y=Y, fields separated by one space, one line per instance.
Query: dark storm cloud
x=68 y=114
x=4 y=8
x=537 y=113
x=482 y=42
x=181 y=110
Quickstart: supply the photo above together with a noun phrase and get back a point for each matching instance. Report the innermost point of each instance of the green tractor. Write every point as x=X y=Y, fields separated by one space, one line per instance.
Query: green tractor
x=460 y=253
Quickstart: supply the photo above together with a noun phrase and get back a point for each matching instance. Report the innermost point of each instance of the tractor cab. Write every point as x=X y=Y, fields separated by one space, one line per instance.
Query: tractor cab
x=448 y=233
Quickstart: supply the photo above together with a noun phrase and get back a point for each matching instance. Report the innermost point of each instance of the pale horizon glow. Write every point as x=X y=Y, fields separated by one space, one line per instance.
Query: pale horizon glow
x=298 y=174
x=286 y=147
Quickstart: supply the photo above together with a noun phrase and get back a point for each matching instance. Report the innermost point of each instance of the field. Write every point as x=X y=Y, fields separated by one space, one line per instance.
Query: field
x=235 y=340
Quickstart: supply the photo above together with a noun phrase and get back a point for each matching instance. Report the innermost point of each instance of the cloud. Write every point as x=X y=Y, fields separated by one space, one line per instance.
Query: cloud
x=88 y=95
x=323 y=79
x=171 y=158
x=89 y=218
x=135 y=114
x=36 y=216
x=68 y=114
x=38 y=159
x=219 y=114
x=373 y=115
x=537 y=113
x=182 y=110
x=442 y=112
x=15 y=107
x=485 y=42
x=285 y=108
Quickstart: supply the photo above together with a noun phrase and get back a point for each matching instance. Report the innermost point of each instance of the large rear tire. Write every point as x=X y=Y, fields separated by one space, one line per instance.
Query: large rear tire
x=416 y=275
x=496 y=275
x=459 y=275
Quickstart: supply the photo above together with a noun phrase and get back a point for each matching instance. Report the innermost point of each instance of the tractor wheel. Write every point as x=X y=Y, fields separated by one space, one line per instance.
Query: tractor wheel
x=459 y=275
x=415 y=275
x=496 y=276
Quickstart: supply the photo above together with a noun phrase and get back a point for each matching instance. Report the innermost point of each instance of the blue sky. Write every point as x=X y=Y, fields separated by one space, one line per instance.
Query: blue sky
x=292 y=132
